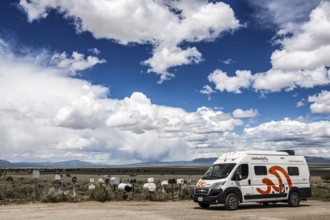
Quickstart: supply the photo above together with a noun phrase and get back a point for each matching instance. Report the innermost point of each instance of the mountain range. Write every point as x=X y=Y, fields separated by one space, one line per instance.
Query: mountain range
x=79 y=163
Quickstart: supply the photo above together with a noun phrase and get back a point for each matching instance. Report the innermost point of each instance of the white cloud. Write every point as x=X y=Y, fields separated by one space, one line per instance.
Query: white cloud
x=309 y=48
x=321 y=103
x=76 y=62
x=94 y=51
x=162 y=23
x=223 y=82
x=48 y=115
x=228 y=61
x=165 y=57
x=302 y=61
x=275 y=80
x=287 y=15
x=305 y=138
x=207 y=90
x=300 y=103
x=239 y=113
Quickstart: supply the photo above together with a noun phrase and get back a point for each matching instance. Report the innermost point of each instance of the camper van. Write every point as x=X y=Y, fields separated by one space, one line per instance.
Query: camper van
x=254 y=176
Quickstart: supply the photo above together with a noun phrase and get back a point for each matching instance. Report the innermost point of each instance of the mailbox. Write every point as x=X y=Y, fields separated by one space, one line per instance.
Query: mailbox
x=125 y=187
x=172 y=181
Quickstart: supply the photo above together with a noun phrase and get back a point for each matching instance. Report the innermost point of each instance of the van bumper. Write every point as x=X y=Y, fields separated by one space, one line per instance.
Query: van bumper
x=305 y=193
x=208 y=195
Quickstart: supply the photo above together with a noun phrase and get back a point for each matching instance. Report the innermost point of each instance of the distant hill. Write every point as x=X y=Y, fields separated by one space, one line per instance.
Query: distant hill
x=320 y=160
x=79 y=163
x=209 y=160
x=69 y=163
x=4 y=163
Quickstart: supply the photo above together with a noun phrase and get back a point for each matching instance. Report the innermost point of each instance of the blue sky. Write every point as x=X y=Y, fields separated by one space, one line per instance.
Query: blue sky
x=117 y=82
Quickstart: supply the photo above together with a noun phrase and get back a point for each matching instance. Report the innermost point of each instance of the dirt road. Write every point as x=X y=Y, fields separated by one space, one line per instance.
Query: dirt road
x=161 y=211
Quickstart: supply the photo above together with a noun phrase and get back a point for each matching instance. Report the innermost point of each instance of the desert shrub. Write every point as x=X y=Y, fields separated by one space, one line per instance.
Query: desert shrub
x=100 y=193
x=187 y=192
x=9 y=179
x=321 y=191
x=325 y=177
x=54 y=196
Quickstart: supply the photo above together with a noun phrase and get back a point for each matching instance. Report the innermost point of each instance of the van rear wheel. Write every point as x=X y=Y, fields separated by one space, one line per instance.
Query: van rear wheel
x=203 y=205
x=232 y=201
x=294 y=199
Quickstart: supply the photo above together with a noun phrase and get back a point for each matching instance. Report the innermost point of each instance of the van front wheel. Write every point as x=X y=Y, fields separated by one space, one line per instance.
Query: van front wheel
x=294 y=199
x=232 y=201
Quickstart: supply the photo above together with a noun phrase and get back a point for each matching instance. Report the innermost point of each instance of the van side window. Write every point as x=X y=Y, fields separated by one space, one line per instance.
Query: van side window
x=293 y=171
x=243 y=171
x=260 y=170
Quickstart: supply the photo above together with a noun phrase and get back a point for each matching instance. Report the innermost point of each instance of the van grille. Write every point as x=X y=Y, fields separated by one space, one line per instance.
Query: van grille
x=203 y=191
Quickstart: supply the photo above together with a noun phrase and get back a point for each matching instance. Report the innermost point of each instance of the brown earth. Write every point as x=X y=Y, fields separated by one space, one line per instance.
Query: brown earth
x=163 y=210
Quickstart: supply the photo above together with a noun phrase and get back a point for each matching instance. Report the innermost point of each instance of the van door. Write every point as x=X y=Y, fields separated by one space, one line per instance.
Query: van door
x=242 y=178
x=268 y=184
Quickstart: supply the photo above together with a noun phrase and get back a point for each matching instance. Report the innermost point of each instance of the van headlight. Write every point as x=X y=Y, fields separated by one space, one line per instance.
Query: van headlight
x=218 y=185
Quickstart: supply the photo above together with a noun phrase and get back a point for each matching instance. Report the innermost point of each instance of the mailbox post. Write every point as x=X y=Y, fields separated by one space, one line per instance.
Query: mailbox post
x=172 y=182
x=35 y=176
x=74 y=180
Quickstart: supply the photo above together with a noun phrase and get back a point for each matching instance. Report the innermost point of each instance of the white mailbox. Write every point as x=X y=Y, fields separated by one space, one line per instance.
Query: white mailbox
x=57 y=177
x=100 y=181
x=35 y=174
x=125 y=187
x=151 y=180
x=91 y=186
x=180 y=181
x=114 y=181
x=164 y=183
x=151 y=187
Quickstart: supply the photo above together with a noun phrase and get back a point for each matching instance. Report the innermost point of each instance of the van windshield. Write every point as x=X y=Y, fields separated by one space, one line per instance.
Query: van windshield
x=218 y=171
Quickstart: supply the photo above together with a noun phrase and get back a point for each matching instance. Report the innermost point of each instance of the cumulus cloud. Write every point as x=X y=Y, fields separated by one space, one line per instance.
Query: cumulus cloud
x=302 y=61
x=163 y=24
x=223 y=82
x=275 y=80
x=309 y=48
x=239 y=113
x=307 y=138
x=287 y=15
x=321 y=103
x=76 y=62
x=47 y=115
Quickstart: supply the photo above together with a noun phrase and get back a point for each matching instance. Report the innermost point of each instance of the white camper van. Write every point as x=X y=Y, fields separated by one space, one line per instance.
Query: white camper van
x=254 y=176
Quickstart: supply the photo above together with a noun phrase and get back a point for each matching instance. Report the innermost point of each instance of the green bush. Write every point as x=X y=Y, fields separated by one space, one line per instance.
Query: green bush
x=54 y=196
x=9 y=179
x=326 y=177
x=100 y=193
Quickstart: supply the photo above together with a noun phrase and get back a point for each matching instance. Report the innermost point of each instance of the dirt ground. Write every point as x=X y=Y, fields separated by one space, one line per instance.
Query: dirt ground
x=162 y=210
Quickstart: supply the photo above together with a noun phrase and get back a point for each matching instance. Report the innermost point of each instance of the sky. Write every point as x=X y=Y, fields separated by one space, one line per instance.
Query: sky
x=118 y=82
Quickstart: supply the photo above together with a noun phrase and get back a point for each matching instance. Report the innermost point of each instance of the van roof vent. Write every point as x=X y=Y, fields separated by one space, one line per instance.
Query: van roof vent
x=290 y=152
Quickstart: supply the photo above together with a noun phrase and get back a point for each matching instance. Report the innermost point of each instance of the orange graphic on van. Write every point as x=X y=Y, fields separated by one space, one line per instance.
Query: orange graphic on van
x=200 y=183
x=275 y=170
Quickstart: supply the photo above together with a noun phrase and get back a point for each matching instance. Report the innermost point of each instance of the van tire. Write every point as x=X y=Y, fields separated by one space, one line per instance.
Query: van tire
x=203 y=205
x=294 y=199
x=231 y=201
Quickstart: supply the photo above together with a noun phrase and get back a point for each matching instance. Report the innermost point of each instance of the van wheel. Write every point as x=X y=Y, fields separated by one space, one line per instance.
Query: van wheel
x=232 y=201
x=265 y=203
x=203 y=205
x=294 y=199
